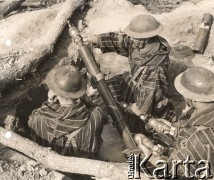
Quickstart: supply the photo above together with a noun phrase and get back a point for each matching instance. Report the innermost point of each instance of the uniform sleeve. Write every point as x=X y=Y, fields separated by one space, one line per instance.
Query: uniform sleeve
x=113 y=42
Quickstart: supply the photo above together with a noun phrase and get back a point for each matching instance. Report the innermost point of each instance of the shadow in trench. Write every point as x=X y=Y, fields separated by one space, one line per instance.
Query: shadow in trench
x=181 y=59
x=33 y=99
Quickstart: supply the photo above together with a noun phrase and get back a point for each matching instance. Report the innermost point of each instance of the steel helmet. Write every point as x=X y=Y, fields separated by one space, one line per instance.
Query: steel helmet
x=143 y=26
x=196 y=83
x=66 y=81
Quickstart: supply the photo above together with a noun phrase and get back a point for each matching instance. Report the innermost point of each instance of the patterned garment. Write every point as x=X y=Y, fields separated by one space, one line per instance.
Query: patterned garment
x=196 y=139
x=147 y=83
x=148 y=69
x=52 y=124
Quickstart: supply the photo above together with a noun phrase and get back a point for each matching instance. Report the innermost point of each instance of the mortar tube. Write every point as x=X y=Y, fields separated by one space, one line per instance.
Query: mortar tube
x=107 y=97
x=105 y=93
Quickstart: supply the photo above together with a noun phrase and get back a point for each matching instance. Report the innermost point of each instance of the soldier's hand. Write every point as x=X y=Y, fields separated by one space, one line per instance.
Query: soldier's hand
x=161 y=126
x=173 y=129
x=89 y=38
x=148 y=148
x=148 y=153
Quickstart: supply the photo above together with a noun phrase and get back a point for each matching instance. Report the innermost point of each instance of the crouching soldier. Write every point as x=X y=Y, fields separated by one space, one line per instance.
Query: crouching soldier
x=194 y=137
x=67 y=122
x=143 y=90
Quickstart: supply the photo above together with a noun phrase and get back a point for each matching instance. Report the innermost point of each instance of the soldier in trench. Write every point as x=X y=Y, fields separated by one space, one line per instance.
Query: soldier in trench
x=68 y=122
x=193 y=141
x=144 y=90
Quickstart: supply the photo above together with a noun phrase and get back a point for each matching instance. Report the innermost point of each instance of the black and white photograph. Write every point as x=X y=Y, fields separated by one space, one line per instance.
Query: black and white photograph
x=106 y=89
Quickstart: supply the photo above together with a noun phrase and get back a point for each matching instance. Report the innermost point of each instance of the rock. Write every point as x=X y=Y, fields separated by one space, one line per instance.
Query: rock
x=91 y=4
x=1 y=170
x=180 y=48
x=176 y=42
x=43 y=172
x=16 y=164
x=188 y=29
x=5 y=166
x=36 y=168
x=178 y=1
x=21 y=171
x=82 y=7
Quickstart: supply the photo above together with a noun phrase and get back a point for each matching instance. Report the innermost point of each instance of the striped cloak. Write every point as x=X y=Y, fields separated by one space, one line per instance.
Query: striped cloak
x=147 y=83
x=196 y=139
x=52 y=123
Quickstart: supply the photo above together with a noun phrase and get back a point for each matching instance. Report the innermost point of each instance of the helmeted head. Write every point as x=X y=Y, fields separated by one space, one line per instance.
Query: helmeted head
x=196 y=83
x=67 y=82
x=143 y=26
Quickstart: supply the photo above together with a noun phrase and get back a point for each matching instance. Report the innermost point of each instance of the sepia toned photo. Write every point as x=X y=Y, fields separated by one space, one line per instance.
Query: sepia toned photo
x=106 y=89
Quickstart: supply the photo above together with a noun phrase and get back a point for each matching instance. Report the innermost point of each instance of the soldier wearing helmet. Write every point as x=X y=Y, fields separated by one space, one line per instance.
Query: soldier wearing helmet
x=145 y=88
x=67 y=122
x=195 y=135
